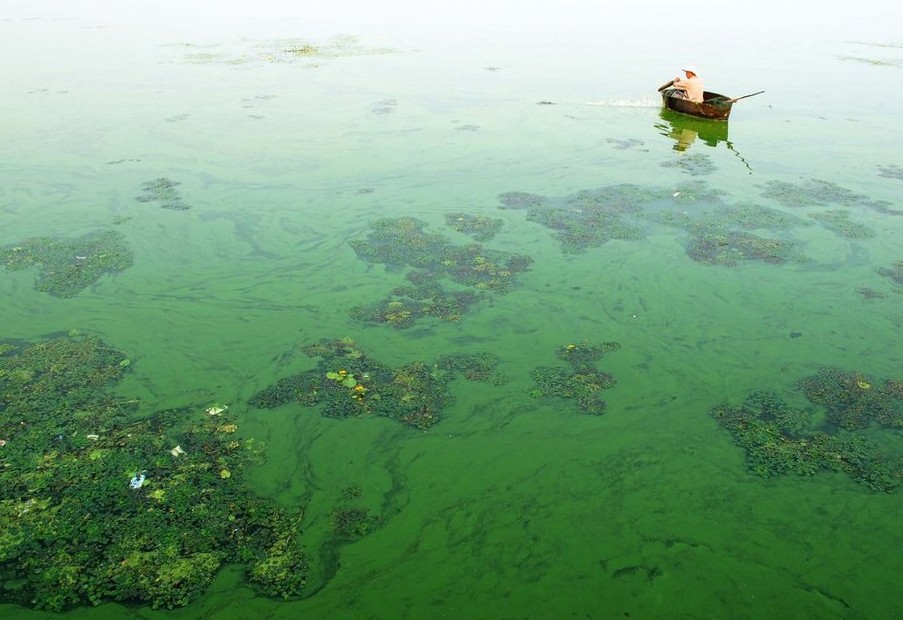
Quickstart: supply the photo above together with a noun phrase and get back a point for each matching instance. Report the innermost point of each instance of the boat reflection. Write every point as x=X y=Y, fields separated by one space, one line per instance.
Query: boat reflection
x=686 y=130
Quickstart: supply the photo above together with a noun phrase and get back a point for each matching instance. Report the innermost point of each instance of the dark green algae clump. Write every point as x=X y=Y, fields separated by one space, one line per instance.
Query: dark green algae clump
x=779 y=438
x=839 y=222
x=67 y=265
x=582 y=381
x=894 y=272
x=164 y=192
x=349 y=383
x=473 y=271
x=728 y=248
x=404 y=242
x=589 y=218
x=478 y=227
x=427 y=298
x=817 y=192
x=73 y=531
x=694 y=164
x=719 y=233
x=891 y=171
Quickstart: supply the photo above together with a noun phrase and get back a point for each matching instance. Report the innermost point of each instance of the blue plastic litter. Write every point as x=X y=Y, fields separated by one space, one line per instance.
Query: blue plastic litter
x=137 y=480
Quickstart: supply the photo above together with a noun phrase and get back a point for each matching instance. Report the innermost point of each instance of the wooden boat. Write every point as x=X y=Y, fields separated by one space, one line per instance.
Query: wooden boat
x=714 y=106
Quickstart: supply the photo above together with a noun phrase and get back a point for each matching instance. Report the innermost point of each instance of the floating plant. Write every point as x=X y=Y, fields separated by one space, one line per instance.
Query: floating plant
x=582 y=382
x=68 y=266
x=781 y=439
x=349 y=383
x=163 y=191
x=97 y=504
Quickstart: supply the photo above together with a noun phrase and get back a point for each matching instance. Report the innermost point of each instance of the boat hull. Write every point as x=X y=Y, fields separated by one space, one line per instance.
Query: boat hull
x=719 y=111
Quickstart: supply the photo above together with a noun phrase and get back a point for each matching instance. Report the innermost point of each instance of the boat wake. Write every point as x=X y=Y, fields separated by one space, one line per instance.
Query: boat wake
x=645 y=102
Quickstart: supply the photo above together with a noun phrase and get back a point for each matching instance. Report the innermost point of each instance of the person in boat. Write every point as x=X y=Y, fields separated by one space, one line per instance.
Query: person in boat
x=689 y=87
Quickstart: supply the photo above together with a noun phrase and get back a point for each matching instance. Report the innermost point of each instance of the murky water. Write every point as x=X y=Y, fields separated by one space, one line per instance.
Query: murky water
x=511 y=506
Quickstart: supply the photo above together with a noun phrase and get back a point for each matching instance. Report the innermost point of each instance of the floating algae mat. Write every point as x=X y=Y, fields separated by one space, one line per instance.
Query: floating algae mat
x=582 y=382
x=68 y=266
x=588 y=218
x=474 y=269
x=779 y=438
x=478 y=227
x=164 y=192
x=404 y=242
x=757 y=278
x=75 y=530
x=817 y=192
x=349 y=383
x=719 y=232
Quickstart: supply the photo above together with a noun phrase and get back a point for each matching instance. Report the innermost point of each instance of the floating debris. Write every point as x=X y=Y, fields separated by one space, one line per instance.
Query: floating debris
x=215 y=410
x=138 y=480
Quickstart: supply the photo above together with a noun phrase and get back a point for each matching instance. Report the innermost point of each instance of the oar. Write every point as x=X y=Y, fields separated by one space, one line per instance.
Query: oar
x=721 y=100
x=745 y=96
x=664 y=86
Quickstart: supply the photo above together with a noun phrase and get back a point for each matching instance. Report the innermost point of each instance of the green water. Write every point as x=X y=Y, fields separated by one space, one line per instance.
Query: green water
x=511 y=506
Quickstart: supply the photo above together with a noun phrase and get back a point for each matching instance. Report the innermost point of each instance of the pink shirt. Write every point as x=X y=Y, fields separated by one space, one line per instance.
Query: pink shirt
x=692 y=85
